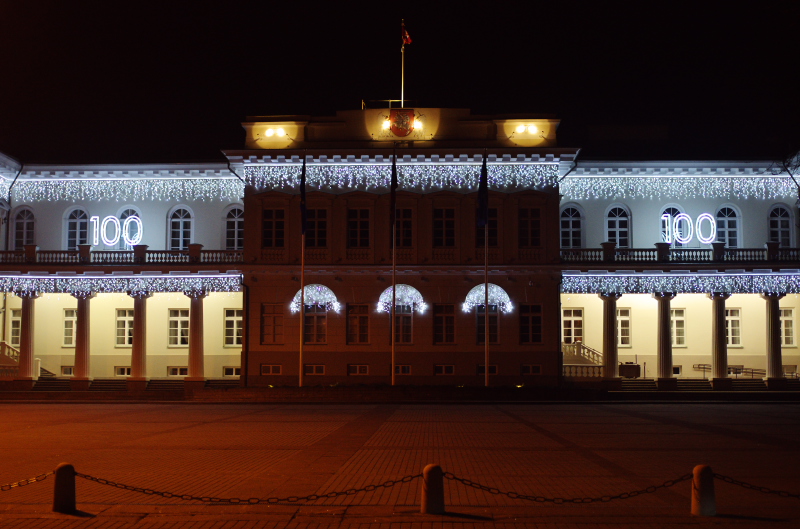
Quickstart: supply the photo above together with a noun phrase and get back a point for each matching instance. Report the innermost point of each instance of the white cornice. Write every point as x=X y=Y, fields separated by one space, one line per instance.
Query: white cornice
x=673 y=168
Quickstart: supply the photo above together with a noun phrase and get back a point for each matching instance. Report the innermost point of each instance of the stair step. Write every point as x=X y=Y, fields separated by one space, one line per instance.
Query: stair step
x=165 y=385
x=108 y=385
x=222 y=383
x=51 y=385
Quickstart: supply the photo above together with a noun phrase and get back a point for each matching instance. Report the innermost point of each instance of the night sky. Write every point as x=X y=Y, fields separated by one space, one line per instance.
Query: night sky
x=95 y=82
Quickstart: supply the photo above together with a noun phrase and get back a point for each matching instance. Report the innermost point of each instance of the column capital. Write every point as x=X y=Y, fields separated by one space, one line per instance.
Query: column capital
x=83 y=294
x=772 y=296
x=139 y=294
x=195 y=294
x=718 y=295
x=663 y=295
x=609 y=296
x=29 y=294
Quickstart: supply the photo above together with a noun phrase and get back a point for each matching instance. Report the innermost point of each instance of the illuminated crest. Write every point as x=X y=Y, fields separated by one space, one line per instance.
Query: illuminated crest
x=401 y=121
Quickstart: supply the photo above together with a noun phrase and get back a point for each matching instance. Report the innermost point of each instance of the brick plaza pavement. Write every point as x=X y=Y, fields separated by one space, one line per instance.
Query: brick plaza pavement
x=267 y=450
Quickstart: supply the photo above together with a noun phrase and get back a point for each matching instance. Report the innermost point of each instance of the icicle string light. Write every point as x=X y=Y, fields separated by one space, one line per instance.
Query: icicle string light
x=318 y=295
x=497 y=296
x=685 y=187
x=699 y=283
x=114 y=283
x=130 y=190
x=406 y=295
x=410 y=177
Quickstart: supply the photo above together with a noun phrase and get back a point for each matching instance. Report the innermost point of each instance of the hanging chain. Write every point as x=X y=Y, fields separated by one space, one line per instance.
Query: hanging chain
x=765 y=490
x=40 y=477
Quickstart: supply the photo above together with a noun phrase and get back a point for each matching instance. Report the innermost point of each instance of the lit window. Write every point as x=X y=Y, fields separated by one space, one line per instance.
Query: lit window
x=670 y=230
x=233 y=327
x=787 y=326
x=70 y=319
x=571 y=228
x=24 y=233
x=618 y=227
x=175 y=371
x=122 y=371
x=733 y=326
x=133 y=228
x=231 y=371
x=77 y=228
x=16 y=326
x=678 y=327
x=178 y=327
x=234 y=229
x=572 y=325
x=624 y=327
x=180 y=229
x=728 y=227
x=124 y=327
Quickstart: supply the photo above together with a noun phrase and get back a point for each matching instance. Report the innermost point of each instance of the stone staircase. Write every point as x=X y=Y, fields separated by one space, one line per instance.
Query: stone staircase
x=108 y=384
x=694 y=384
x=222 y=383
x=748 y=384
x=51 y=384
x=164 y=385
x=639 y=384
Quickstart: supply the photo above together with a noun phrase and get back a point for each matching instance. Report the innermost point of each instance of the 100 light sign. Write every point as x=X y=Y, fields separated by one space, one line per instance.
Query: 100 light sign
x=681 y=229
x=129 y=230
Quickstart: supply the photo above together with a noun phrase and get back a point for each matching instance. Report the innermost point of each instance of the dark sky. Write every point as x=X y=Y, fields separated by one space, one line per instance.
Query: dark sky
x=117 y=81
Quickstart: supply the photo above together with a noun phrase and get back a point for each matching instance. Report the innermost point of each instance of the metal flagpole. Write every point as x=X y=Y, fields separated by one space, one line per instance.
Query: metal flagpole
x=406 y=40
x=393 y=216
x=303 y=220
x=483 y=204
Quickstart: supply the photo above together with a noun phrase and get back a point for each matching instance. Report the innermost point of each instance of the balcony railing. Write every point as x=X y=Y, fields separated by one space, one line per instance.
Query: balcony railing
x=140 y=255
x=665 y=253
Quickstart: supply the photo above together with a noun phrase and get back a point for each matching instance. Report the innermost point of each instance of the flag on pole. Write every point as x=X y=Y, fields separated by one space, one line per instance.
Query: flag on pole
x=303 y=214
x=405 y=35
x=393 y=197
x=483 y=195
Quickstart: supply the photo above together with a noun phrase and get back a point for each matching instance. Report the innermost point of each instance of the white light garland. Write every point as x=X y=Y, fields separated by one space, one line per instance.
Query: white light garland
x=678 y=188
x=699 y=283
x=318 y=295
x=406 y=295
x=52 y=284
x=420 y=177
x=497 y=296
x=130 y=190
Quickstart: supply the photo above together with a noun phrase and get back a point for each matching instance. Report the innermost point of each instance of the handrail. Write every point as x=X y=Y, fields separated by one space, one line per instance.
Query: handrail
x=9 y=351
x=583 y=350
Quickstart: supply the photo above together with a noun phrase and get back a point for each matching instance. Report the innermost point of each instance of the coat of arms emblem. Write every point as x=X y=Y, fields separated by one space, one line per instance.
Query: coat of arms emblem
x=401 y=121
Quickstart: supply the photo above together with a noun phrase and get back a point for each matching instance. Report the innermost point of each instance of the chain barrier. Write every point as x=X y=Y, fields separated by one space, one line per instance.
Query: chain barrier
x=544 y=499
x=40 y=477
x=250 y=501
x=765 y=490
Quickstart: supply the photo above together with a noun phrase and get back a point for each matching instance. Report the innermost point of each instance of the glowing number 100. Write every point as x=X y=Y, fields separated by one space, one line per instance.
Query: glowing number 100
x=673 y=228
x=121 y=229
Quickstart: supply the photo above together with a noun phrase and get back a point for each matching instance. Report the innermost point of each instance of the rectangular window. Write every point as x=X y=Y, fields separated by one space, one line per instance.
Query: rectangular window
x=404 y=228
x=482 y=369
x=531 y=369
x=178 y=371
x=403 y=318
x=358 y=228
x=233 y=327
x=530 y=232
x=480 y=323
x=624 y=327
x=678 y=327
x=270 y=369
x=676 y=370
x=733 y=326
x=357 y=324
x=124 y=327
x=787 y=326
x=314 y=369
x=444 y=370
x=178 y=327
x=444 y=324
x=16 y=326
x=70 y=319
x=316 y=228
x=67 y=371
x=122 y=371
x=530 y=324
x=272 y=228
x=271 y=323
x=358 y=369
x=402 y=370
x=444 y=228
x=572 y=325
x=315 y=324
x=234 y=229
x=491 y=227
x=231 y=371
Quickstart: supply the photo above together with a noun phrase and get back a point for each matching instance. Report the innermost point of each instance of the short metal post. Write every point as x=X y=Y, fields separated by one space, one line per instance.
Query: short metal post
x=704 y=501
x=64 y=489
x=432 y=490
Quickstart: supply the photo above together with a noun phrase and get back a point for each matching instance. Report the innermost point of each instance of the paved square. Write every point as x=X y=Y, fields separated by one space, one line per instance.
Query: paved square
x=246 y=451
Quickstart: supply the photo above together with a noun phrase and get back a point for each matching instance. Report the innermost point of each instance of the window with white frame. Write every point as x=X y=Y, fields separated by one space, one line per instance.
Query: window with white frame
x=623 y=327
x=67 y=371
x=178 y=327
x=122 y=371
x=780 y=226
x=24 y=228
x=231 y=371
x=16 y=327
x=314 y=369
x=733 y=326
x=180 y=229
x=124 y=327
x=728 y=227
x=618 y=227
x=133 y=228
x=177 y=371
x=571 y=228
x=271 y=323
x=271 y=369
x=572 y=325
x=233 y=327
x=669 y=230
x=77 y=228
x=234 y=229
x=787 y=327
x=678 y=327
x=70 y=319
x=315 y=324
x=358 y=369
x=403 y=326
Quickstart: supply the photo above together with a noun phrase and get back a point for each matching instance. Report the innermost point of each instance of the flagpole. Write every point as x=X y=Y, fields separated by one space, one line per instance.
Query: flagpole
x=303 y=220
x=403 y=73
x=486 y=300
x=393 y=216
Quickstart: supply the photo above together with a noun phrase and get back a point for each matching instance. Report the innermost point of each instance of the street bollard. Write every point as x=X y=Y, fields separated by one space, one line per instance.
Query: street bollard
x=64 y=489
x=432 y=490
x=704 y=501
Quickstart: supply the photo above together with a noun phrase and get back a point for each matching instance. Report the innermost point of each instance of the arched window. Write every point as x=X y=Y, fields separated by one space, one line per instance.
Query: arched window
x=780 y=226
x=670 y=230
x=571 y=228
x=133 y=228
x=618 y=227
x=77 y=228
x=24 y=228
x=728 y=227
x=180 y=229
x=234 y=229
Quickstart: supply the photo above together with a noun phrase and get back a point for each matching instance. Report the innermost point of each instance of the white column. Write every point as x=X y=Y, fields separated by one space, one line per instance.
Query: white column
x=139 y=345
x=82 y=330
x=664 y=338
x=719 y=339
x=26 y=361
x=196 y=353
x=774 y=359
x=610 y=357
